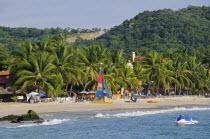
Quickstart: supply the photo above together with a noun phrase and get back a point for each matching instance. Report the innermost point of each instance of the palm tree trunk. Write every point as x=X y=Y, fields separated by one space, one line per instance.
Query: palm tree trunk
x=71 y=90
x=149 y=84
x=180 y=89
x=67 y=87
x=158 y=88
x=164 y=91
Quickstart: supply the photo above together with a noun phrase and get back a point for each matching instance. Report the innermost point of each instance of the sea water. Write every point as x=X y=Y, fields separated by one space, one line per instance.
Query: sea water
x=114 y=124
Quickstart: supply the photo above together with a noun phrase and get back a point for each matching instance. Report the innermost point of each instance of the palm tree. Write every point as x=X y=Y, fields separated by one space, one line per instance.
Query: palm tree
x=127 y=77
x=111 y=76
x=116 y=57
x=91 y=59
x=65 y=59
x=164 y=77
x=198 y=75
x=87 y=78
x=37 y=71
x=138 y=71
x=180 y=73
x=151 y=65
x=57 y=87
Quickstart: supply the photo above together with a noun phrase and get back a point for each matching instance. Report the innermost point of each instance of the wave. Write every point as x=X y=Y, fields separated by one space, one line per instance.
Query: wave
x=149 y=112
x=46 y=122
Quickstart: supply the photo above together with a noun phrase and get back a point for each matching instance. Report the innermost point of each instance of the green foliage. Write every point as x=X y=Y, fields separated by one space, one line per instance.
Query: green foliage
x=11 y=37
x=182 y=36
x=9 y=117
x=31 y=115
x=4 y=55
x=161 y=30
x=15 y=98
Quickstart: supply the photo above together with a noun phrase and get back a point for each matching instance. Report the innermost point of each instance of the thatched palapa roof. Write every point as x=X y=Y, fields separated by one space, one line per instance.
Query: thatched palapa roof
x=4 y=92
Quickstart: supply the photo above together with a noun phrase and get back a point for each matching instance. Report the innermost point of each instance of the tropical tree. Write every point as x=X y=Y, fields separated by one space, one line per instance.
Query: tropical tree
x=180 y=73
x=37 y=72
x=138 y=71
x=151 y=65
x=65 y=59
x=57 y=87
x=91 y=59
x=127 y=77
x=4 y=56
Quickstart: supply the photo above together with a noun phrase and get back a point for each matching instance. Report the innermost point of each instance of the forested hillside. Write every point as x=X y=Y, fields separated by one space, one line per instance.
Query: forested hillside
x=165 y=31
x=161 y=30
x=10 y=37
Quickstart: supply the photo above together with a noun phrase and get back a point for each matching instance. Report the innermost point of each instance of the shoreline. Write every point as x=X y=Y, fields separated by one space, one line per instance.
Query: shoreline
x=120 y=104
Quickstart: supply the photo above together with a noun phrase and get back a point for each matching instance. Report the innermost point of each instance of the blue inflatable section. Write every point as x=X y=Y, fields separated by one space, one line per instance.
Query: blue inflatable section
x=180 y=118
x=186 y=118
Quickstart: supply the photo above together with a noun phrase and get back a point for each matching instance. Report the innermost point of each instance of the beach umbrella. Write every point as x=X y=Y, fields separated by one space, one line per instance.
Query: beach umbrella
x=83 y=92
x=91 y=92
x=41 y=95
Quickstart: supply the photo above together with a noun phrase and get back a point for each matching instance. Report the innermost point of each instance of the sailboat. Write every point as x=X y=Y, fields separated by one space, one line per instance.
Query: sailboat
x=100 y=89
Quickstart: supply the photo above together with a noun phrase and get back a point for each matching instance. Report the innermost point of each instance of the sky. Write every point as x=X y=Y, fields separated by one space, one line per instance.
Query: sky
x=84 y=14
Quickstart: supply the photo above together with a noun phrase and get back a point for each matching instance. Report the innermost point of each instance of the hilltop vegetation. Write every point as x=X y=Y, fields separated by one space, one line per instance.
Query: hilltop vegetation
x=10 y=37
x=161 y=30
x=165 y=31
x=54 y=65
x=151 y=30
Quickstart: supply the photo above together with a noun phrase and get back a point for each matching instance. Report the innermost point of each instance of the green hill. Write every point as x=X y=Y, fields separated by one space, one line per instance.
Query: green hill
x=161 y=30
x=10 y=37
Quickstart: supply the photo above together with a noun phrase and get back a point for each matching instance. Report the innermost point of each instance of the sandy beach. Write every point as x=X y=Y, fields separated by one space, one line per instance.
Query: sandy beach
x=50 y=107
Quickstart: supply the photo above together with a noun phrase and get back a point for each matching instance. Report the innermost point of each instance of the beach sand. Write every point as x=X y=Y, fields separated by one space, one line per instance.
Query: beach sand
x=50 y=107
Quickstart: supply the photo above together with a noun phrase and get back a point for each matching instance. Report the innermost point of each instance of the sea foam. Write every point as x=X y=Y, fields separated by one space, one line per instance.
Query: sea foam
x=149 y=112
x=47 y=122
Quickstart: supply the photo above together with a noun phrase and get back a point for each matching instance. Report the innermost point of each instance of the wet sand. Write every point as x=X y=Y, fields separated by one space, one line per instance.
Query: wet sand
x=50 y=107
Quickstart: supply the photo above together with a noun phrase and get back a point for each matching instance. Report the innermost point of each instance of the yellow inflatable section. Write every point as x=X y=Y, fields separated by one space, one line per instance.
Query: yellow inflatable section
x=108 y=102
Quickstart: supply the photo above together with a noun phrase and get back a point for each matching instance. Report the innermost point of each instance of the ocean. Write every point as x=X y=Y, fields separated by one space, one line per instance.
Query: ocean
x=114 y=124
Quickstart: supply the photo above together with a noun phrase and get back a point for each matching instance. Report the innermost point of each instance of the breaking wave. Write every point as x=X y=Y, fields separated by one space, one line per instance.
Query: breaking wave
x=47 y=122
x=149 y=112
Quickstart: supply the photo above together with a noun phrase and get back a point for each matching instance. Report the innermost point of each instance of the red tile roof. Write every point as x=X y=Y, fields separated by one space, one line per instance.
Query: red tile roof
x=137 y=59
x=4 y=72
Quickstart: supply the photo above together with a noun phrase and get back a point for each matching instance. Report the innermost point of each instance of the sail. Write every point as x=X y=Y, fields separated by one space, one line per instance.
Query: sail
x=106 y=89
x=99 y=91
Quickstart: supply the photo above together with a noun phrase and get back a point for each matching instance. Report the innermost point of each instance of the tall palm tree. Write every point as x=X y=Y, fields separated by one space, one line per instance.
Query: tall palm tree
x=91 y=59
x=127 y=77
x=138 y=71
x=151 y=65
x=111 y=76
x=180 y=73
x=37 y=71
x=57 y=86
x=87 y=78
x=65 y=59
